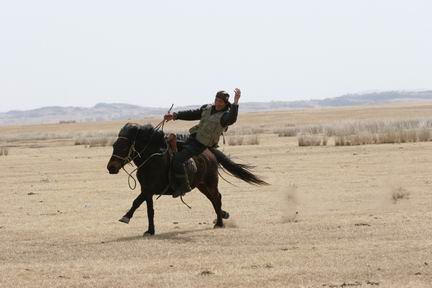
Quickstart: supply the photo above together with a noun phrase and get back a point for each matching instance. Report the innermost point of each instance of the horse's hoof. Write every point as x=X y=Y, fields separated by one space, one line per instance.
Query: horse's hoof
x=148 y=233
x=125 y=220
x=217 y=226
x=225 y=215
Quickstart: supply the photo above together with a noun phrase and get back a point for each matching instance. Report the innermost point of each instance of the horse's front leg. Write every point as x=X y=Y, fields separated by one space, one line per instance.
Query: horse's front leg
x=150 y=215
x=136 y=203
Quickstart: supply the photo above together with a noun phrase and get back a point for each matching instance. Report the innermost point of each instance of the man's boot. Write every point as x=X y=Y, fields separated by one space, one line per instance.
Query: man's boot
x=181 y=184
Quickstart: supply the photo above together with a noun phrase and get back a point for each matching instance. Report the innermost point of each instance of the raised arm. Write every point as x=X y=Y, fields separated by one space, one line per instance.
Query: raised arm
x=189 y=115
x=230 y=117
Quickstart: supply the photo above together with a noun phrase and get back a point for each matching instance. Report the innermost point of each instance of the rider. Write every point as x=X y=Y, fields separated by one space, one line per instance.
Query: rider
x=214 y=120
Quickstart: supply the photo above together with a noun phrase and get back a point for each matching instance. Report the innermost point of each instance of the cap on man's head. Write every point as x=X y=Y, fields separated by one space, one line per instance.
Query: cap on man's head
x=223 y=95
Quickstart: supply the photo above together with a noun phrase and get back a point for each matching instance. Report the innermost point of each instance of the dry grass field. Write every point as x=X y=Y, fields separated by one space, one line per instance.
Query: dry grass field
x=333 y=216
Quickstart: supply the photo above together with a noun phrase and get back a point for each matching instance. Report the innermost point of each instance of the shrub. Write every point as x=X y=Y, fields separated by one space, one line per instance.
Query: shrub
x=312 y=129
x=253 y=140
x=95 y=142
x=379 y=132
x=241 y=140
x=399 y=194
x=286 y=132
x=235 y=141
x=423 y=134
x=310 y=140
x=4 y=151
x=245 y=131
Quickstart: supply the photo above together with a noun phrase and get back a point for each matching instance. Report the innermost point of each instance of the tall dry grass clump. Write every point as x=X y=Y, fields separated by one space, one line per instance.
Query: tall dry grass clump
x=380 y=132
x=286 y=132
x=4 y=151
x=92 y=138
x=400 y=194
x=351 y=140
x=242 y=140
x=311 y=140
x=95 y=142
x=96 y=139
x=245 y=131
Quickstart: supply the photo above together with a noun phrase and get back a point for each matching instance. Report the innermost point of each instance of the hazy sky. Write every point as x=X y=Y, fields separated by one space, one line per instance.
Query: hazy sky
x=154 y=53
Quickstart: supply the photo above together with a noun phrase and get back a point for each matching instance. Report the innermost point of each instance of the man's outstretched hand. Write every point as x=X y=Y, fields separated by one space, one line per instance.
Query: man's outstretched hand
x=169 y=117
x=237 y=95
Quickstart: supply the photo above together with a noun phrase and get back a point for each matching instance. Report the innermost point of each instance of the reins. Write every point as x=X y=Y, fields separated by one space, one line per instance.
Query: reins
x=130 y=159
x=132 y=149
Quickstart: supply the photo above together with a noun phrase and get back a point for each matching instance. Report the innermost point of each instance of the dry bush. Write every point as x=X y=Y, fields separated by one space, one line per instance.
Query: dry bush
x=245 y=131
x=311 y=140
x=81 y=141
x=235 y=141
x=79 y=138
x=380 y=132
x=343 y=141
x=101 y=142
x=253 y=140
x=406 y=136
x=324 y=141
x=400 y=194
x=361 y=139
x=36 y=136
x=95 y=142
x=373 y=127
x=424 y=134
x=95 y=139
x=312 y=129
x=4 y=151
x=241 y=140
x=286 y=132
x=389 y=137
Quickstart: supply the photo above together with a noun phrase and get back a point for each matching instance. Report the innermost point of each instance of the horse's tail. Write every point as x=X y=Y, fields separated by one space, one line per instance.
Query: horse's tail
x=241 y=171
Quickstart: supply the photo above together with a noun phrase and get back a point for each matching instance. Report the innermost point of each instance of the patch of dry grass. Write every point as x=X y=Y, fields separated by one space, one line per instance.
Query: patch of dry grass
x=90 y=138
x=243 y=140
x=246 y=130
x=286 y=132
x=311 y=140
x=95 y=142
x=371 y=132
x=400 y=194
x=4 y=151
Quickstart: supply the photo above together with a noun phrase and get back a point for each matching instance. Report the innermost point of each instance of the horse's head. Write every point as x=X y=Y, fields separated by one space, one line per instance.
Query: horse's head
x=123 y=148
x=133 y=143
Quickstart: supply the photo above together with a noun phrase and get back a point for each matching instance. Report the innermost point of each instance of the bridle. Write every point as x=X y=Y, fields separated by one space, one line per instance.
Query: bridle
x=129 y=159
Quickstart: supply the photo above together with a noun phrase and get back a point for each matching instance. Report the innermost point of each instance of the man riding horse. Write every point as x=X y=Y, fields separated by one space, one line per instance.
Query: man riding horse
x=214 y=120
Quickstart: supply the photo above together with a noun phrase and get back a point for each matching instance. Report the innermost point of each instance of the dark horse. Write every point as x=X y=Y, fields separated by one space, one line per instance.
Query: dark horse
x=147 y=147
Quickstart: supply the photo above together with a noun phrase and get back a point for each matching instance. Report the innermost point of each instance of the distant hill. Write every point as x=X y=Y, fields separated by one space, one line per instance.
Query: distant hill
x=118 y=111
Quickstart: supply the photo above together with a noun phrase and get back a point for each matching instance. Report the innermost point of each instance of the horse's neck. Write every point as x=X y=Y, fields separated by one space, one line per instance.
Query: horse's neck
x=152 y=154
x=152 y=170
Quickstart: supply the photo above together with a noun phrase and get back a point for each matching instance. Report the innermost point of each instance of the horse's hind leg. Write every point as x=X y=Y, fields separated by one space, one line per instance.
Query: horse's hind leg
x=212 y=193
x=136 y=203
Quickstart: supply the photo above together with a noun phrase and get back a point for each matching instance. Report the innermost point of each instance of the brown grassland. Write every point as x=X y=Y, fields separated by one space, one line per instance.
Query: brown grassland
x=333 y=216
